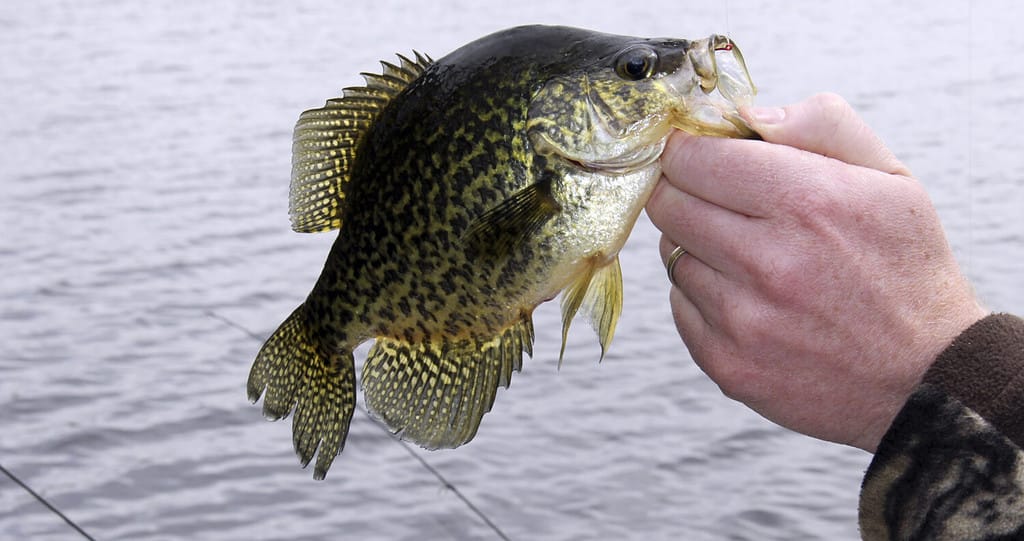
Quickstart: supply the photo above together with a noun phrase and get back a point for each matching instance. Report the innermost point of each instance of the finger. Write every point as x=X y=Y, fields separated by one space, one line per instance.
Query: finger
x=689 y=323
x=763 y=179
x=825 y=124
x=666 y=247
x=702 y=285
x=730 y=173
x=717 y=236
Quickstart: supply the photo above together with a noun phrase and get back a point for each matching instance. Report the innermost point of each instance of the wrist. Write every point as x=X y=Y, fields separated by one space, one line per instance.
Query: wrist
x=932 y=352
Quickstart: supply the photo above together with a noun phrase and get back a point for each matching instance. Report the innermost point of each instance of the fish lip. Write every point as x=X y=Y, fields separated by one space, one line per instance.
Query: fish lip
x=738 y=88
x=724 y=87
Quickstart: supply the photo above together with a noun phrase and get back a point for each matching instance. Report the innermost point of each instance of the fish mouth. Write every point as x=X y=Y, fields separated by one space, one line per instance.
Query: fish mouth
x=720 y=72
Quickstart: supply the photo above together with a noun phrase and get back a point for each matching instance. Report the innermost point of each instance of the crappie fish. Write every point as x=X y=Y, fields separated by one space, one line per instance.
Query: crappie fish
x=467 y=191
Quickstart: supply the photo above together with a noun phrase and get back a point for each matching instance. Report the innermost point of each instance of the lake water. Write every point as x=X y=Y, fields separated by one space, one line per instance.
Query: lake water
x=143 y=185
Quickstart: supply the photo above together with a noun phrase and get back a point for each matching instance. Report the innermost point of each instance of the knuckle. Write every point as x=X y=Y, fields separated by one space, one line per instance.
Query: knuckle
x=738 y=393
x=731 y=357
x=835 y=112
x=734 y=379
x=782 y=278
x=811 y=194
x=832 y=105
x=811 y=204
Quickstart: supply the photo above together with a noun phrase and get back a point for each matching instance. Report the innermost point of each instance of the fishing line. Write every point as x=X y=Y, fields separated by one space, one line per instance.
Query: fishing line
x=46 y=503
x=728 y=27
x=970 y=137
x=434 y=471
x=448 y=485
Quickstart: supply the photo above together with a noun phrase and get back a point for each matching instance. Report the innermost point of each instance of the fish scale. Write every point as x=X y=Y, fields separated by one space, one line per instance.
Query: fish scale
x=467 y=191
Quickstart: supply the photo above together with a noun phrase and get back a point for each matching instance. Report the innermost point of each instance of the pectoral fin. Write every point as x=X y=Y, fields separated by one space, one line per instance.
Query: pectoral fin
x=598 y=291
x=502 y=228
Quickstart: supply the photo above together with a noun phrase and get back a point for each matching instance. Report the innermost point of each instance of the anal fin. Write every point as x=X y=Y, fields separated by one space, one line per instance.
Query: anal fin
x=435 y=394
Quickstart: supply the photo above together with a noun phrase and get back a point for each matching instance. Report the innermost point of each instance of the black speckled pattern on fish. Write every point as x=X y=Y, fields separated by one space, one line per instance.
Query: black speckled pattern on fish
x=467 y=191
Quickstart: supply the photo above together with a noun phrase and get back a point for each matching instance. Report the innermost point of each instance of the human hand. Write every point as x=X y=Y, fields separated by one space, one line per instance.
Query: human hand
x=818 y=285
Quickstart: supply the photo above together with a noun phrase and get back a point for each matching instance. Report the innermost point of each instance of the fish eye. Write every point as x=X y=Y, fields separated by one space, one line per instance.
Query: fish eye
x=636 y=63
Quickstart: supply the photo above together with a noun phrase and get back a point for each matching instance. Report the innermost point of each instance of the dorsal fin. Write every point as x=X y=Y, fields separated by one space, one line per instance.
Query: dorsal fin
x=325 y=141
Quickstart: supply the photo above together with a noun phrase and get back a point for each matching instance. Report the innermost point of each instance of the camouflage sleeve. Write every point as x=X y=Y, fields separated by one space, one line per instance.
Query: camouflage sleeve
x=951 y=465
x=984 y=369
x=943 y=472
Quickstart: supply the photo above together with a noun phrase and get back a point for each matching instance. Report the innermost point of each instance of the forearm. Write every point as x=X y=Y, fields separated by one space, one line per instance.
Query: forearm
x=951 y=465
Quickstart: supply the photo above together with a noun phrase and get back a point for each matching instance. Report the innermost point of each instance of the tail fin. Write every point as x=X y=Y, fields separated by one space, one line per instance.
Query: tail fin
x=320 y=386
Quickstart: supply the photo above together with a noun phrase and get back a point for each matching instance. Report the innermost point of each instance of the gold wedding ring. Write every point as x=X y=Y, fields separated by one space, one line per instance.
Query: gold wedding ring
x=672 y=259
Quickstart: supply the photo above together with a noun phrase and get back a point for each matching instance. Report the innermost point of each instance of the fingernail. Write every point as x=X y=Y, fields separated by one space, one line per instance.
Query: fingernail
x=764 y=115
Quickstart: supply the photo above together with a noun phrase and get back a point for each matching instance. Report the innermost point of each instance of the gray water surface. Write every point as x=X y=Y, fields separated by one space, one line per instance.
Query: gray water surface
x=144 y=176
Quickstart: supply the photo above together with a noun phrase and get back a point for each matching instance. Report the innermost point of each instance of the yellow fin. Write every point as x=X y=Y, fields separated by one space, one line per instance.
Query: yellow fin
x=436 y=394
x=325 y=142
x=320 y=389
x=500 y=229
x=598 y=290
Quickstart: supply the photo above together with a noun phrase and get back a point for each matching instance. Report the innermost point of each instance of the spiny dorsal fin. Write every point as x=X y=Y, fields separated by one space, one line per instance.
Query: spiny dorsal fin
x=598 y=291
x=436 y=394
x=325 y=141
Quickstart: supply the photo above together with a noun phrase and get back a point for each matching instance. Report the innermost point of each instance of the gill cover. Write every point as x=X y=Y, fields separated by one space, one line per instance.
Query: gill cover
x=612 y=115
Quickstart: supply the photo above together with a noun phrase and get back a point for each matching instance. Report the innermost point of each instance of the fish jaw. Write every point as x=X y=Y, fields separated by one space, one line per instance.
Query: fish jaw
x=712 y=85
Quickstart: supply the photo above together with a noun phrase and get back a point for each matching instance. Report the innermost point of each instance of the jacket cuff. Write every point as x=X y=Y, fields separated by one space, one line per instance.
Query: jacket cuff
x=984 y=369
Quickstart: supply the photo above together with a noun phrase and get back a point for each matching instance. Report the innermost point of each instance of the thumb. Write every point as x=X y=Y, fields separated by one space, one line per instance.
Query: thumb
x=824 y=124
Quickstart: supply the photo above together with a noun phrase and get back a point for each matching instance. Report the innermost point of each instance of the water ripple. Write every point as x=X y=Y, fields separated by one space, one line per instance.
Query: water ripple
x=146 y=235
